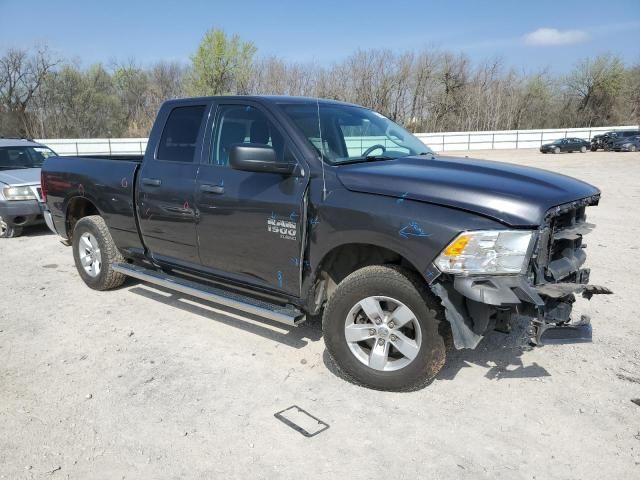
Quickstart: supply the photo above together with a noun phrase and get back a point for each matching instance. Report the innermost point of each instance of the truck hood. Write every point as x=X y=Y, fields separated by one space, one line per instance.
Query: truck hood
x=20 y=176
x=515 y=195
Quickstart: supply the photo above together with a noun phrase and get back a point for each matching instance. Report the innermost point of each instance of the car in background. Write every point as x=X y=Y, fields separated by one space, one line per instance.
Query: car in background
x=607 y=139
x=21 y=199
x=598 y=141
x=566 y=145
x=626 y=144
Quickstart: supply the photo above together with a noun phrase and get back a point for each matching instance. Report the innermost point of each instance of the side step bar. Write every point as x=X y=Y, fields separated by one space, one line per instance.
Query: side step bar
x=288 y=314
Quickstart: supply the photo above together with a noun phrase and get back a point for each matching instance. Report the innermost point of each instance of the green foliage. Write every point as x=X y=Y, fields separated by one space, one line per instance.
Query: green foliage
x=426 y=90
x=221 y=65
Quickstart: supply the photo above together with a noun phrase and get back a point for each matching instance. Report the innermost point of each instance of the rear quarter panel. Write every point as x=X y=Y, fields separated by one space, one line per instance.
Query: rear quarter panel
x=107 y=184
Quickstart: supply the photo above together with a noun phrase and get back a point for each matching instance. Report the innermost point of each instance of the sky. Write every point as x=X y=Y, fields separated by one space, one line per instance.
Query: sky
x=527 y=35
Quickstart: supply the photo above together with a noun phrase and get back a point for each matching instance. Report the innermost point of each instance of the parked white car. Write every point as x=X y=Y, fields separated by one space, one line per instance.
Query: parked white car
x=21 y=200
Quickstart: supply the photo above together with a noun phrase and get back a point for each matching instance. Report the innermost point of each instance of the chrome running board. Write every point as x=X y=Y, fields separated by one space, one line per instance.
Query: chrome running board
x=287 y=314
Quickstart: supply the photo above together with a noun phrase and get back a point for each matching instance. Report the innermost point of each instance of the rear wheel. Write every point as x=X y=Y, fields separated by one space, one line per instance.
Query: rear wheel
x=95 y=253
x=7 y=231
x=556 y=150
x=382 y=328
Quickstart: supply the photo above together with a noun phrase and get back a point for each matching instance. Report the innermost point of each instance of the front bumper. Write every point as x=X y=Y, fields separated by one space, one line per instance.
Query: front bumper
x=21 y=213
x=475 y=305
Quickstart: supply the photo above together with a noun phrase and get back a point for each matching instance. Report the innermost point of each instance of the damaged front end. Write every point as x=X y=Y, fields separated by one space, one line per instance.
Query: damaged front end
x=544 y=292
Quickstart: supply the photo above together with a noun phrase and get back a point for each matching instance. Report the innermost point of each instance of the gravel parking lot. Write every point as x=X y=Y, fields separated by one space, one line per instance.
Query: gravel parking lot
x=144 y=383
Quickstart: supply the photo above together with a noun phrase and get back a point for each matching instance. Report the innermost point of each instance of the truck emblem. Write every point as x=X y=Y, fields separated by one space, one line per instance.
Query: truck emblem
x=287 y=229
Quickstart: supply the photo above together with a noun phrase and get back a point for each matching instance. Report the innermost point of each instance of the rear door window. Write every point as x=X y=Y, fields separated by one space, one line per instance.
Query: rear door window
x=180 y=134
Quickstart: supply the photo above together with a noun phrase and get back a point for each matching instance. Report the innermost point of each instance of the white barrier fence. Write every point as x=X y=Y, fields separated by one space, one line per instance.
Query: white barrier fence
x=439 y=142
x=508 y=139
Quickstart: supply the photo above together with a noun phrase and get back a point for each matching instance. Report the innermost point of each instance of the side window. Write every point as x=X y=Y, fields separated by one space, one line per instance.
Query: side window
x=178 y=141
x=238 y=124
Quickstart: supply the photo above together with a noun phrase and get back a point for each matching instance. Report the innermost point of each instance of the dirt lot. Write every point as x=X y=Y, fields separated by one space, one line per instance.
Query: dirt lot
x=143 y=383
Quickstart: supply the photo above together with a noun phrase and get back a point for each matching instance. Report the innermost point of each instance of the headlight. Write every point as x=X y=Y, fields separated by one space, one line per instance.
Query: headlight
x=487 y=251
x=18 y=193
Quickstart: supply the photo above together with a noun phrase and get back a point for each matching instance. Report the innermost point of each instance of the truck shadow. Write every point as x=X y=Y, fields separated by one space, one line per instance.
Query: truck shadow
x=36 y=231
x=498 y=354
x=295 y=337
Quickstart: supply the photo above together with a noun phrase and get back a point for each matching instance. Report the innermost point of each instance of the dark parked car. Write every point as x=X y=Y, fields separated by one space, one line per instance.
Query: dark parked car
x=606 y=140
x=565 y=145
x=286 y=207
x=626 y=144
x=20 y=199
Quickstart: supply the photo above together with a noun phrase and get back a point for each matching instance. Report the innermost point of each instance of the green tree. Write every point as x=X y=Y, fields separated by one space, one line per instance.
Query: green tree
x=597 y=84
x=222 y=65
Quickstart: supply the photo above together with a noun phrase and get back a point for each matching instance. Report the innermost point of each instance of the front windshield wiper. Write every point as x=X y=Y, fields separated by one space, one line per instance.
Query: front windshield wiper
x=368 y=158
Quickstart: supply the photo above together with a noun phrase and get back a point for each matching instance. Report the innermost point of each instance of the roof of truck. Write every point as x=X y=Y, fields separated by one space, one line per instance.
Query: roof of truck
x=279 y=99
x=18 y=142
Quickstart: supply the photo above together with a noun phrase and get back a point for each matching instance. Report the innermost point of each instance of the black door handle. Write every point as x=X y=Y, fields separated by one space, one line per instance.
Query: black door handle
x=152 y=182
x=212 y=189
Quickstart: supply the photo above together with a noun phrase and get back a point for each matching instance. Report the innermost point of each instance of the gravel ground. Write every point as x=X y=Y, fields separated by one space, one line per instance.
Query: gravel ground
x=143 y=383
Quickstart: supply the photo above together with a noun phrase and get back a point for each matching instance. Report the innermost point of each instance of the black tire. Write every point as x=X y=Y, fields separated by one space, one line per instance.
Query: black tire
x=594 y=149
x=7 y=231
x=397 y=283
x=107 y=278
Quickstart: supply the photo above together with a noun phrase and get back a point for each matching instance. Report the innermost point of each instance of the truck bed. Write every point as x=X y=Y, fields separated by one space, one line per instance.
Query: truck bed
x=108 y=183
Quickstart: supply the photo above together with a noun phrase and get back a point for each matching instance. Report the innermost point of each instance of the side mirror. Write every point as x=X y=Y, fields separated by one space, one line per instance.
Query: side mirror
x=258 y=158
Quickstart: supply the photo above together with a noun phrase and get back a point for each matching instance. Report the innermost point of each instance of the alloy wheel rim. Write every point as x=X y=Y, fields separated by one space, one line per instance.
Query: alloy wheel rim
x=383 y=333
x=90 y=255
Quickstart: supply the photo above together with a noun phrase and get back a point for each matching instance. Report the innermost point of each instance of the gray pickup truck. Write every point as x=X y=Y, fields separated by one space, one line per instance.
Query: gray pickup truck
x=287 y=207
x=20 y=194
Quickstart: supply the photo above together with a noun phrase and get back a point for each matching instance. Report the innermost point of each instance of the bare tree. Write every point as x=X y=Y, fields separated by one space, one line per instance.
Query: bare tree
x=21 y=76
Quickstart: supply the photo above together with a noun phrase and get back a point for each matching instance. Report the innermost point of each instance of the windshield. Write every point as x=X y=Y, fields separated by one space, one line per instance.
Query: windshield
x=12 y=158
x=352 y=134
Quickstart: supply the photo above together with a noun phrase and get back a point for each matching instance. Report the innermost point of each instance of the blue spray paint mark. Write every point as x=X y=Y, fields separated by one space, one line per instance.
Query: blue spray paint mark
x=221 y=183
x=296 y=262
x=402 y=197
x=314 y=221
x=413 y=230
x=279 y=279
x=273 y=215
x=293 y=216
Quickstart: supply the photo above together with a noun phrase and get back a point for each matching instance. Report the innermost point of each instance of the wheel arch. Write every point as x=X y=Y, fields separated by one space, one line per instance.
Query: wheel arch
x=342 y=260
x=77 y=208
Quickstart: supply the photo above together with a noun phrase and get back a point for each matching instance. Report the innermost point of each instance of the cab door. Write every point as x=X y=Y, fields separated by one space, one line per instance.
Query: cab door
x=166 y=182
x=251 y=224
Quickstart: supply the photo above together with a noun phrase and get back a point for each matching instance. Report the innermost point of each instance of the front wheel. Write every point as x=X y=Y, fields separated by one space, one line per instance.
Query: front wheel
x=633 y=148
x=7 y=231
x=556 y=150
x=95 y=253
x=381 y=326
x=583 y=149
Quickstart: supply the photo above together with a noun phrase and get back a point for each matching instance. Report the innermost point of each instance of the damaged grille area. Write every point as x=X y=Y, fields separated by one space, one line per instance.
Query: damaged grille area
x=560 y=253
